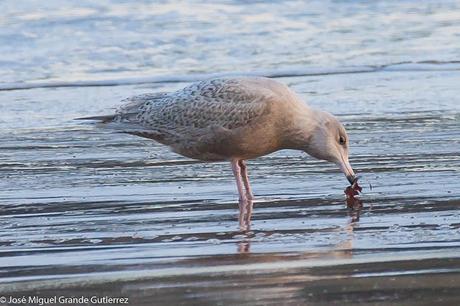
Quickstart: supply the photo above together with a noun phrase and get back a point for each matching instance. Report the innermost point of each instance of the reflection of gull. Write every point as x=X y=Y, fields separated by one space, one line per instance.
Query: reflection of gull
x=233 y=119
x=244 y=216
x=354 y=211
x=343 y=249
x=244 y=246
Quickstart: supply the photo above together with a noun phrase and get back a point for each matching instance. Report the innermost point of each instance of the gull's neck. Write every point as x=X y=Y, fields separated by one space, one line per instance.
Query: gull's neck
x=302 y=125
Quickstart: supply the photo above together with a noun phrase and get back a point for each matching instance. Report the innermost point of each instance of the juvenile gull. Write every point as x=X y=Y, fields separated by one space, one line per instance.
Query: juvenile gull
x=233 y=119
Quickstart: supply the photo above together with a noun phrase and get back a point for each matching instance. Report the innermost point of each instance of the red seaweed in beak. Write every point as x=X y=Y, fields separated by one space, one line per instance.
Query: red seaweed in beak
x=351 y=191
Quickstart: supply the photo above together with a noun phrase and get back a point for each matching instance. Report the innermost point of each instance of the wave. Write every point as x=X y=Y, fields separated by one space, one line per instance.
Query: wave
x=272 y=73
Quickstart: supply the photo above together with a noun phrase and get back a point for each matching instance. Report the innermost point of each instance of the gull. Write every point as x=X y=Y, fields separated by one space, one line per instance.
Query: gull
x=233 y=119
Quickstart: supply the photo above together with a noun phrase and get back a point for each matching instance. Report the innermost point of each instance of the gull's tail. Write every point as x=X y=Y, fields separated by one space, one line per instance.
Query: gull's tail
x=127 y=113
x=100 y=119
x=117 y=124
x=125 y=119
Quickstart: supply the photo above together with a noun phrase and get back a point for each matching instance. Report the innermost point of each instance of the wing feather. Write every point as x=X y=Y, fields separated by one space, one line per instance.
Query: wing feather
x=217 y=104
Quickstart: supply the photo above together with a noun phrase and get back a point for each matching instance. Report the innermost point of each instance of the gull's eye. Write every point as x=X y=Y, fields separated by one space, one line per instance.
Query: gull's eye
x=342 y=140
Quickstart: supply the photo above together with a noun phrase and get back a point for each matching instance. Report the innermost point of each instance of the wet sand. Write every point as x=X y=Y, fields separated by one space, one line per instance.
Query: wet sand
x=86 y=212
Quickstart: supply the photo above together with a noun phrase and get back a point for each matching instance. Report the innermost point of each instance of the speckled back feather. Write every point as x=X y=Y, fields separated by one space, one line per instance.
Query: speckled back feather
x=217 y=119
x=224 y=103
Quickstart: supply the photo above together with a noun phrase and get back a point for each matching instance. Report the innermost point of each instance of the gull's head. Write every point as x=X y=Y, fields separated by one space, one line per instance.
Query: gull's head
x=329 y=141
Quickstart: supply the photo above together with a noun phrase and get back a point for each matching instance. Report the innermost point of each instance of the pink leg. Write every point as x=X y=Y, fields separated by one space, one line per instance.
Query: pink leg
x=239 y=183
x=245 y=203
x=244 y=176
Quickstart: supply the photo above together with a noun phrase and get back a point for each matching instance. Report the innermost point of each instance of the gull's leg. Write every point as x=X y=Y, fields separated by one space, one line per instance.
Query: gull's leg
x=245 y=177
x=239 y=183
x=245 y=204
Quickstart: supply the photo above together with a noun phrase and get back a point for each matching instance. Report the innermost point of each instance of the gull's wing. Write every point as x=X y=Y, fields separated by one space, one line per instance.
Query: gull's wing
x=222 y=104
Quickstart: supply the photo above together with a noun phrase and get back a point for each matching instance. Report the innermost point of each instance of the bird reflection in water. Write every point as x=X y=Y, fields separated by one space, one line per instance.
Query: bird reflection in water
x=354 y=205
x=245 y=214
x=244 y=220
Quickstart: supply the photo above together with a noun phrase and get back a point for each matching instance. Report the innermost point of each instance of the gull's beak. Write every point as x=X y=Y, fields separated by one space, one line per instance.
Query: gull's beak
x=345 y=167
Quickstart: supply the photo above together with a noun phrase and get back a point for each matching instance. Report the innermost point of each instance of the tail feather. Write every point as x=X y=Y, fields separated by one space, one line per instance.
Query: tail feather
x=113 y=123
x=101 y=119
x=128 y=111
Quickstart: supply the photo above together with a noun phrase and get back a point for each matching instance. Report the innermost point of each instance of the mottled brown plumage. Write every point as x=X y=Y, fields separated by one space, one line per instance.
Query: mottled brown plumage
x=233 y=119
x=213 y=120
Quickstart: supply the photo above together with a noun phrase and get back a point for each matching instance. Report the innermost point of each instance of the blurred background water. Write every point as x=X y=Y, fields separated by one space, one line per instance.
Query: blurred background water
x=88 y=212
x=89 y=40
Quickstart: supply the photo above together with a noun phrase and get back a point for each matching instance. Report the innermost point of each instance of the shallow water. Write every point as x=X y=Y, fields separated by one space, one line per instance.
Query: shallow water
x=87 y=212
